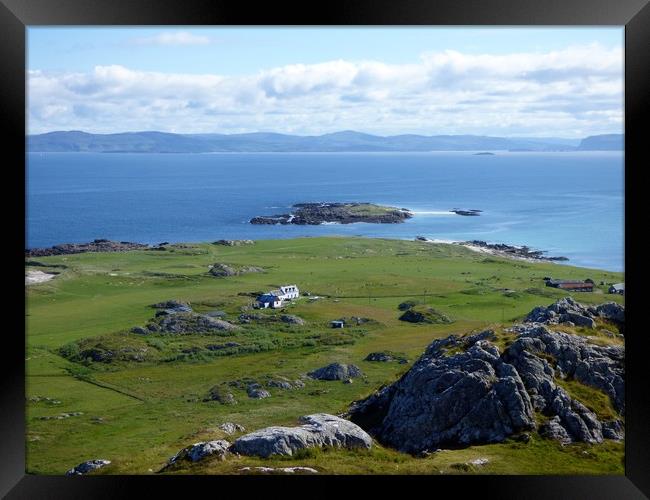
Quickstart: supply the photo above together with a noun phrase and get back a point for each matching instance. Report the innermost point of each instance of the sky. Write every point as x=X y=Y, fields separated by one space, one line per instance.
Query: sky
x=516 y=82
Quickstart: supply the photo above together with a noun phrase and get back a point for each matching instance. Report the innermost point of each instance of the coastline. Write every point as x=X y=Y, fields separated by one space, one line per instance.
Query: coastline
x=111 y=246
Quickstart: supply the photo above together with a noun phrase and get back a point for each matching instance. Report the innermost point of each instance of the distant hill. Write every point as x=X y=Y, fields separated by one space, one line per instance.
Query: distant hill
x=606 y=142
x=345 y=141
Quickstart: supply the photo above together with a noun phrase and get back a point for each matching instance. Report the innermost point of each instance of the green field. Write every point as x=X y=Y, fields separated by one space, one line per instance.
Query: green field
x=145 y=404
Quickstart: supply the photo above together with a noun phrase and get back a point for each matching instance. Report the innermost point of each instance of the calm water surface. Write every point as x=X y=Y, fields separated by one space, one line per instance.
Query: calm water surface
x=569 y=204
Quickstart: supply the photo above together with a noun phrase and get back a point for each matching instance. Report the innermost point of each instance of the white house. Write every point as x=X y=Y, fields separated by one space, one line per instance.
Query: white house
x=288 y=292
x=276 y=298
x=617 y=288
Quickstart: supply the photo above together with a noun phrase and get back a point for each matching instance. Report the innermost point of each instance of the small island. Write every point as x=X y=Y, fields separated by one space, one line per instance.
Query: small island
x=338 y=213
x=484 y=153
x=472 y=212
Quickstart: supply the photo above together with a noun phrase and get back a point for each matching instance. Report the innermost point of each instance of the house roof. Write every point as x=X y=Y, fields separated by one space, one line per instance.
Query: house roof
x=268 y=297
x=575 y=284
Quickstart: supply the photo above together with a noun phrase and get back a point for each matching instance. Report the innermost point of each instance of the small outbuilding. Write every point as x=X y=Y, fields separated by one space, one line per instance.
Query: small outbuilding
x=617 y=288
x=337 y=324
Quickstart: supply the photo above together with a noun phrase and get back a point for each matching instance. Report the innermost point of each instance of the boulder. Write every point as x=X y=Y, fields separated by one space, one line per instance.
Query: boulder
x=231 y=428
x=291 y=319
x=199 y=451
x=257 y=393
x=611 y=311
x=217 y=393
x=88 y=466
x=379 y=356
x=336 y=371
x=318 y=430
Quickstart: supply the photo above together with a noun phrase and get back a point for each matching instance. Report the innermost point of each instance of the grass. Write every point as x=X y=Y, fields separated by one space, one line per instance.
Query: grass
x=139 y=412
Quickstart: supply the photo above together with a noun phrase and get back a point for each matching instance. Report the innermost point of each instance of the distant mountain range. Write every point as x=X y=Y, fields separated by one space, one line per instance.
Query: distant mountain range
x=347 y=141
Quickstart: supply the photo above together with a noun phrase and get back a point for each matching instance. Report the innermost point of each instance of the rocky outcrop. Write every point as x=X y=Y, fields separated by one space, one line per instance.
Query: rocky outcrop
x=279 y=470
x=171 y=307
x=231 y=428
x=385 y=357
x=504 y=250
x=336 y=371
x=567 y=310
x=424 y=314
x=463 y=391
x=88 y=466
x=233 y=243
x=254 y=391
x=341 y=213
x=292 y=319
x=188 y=323
x=540 y=355
x=99 y=245
x=460 y=399
x=318 y=430
x=220 y=395
x=199 y=451
x=221 y=270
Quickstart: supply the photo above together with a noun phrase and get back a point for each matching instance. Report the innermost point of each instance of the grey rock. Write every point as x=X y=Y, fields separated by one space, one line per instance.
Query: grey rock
x=614 y=429
x=613 y=312
x=465 y=398
x=379 y=356
x=199 y=451
x=291 y=319
x=318 y=430
x=188 y=323
x=231 y=428
x=219 y=394
x=257 y=393
x=280 y=470
x=221 y=270
x=140 y=331
x=336 y=371
x=173 y=306
x=88 y=466
x=601 y=367
x=553 y=430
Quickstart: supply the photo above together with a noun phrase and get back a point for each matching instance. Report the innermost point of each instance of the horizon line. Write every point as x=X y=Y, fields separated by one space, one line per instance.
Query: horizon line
x=325 y=133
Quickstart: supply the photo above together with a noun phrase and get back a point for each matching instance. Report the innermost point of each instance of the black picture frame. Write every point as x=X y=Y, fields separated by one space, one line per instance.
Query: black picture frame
x=16 y=15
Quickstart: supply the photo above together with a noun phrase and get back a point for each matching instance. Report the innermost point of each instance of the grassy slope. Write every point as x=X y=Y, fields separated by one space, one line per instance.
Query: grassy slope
x=150 y=410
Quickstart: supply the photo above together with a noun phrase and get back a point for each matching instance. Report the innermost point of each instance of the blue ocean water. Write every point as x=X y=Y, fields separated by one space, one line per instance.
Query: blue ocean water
x=568 y=204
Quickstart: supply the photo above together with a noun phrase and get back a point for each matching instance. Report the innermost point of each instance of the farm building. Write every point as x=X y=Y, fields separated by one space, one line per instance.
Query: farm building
x=617 y=288
x=276 y=298
x=575 y=286
x=337 y=324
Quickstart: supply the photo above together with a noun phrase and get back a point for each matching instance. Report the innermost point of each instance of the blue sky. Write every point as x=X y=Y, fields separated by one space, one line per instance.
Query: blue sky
x=491 y=81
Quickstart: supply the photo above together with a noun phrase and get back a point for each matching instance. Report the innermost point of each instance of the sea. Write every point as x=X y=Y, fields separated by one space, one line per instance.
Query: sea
x=566 y=203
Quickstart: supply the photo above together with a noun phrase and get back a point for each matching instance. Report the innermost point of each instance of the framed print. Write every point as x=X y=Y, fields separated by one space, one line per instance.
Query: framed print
x=364 y=244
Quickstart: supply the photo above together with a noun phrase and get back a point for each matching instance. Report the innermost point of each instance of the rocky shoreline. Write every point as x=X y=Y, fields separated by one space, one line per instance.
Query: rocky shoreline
x=99 y=245
x=503 y=250
x=340 y=213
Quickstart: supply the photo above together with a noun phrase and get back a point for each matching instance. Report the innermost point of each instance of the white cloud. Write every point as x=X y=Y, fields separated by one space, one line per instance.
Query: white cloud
x=173 y=38
x=576 y=91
